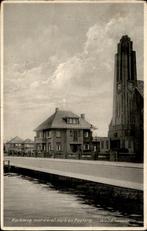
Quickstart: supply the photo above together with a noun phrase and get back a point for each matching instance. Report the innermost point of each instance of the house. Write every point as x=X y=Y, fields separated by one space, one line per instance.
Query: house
x=28 y=147
x=14 y=146
x=64 y=134
x=101 y=147
x=18 y=146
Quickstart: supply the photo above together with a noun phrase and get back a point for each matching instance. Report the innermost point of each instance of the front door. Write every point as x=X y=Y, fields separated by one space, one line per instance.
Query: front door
x=115 y=144
x=75 y=147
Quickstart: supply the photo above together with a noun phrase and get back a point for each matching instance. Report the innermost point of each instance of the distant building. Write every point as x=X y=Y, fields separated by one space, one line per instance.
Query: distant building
x=28 y=146
x=18 y=146
x=101 y=147
x=126 y=127
x=14 y=145
x=63 y=134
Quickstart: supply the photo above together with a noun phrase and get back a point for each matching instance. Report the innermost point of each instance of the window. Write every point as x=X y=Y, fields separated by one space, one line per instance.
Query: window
x=95 y=148
x=17 y=145
x=86 y=146
x=79 y=133
x=58 y=134
x=129 y=143
x=40 y=134
x=73 y=120
x=58 y=146
x=70 y=120
x=86 y=134
x=107 y=144
x=115 y=134
x=44 y=147
x=49 y=134
x=102 y=144
x=123 y=143
x=39 y=147
x=49 y=147
x=75 y=135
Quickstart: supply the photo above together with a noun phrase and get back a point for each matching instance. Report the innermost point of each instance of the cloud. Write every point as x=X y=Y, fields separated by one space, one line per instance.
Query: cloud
x=49 y=69
x=67 y=72
x=73 y=76
x=34 y=84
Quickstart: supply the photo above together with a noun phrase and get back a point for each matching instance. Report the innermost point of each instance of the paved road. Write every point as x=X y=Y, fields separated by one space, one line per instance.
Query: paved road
x=115 y=173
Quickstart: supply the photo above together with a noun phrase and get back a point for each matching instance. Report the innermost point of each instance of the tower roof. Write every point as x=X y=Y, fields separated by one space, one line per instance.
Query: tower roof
x=125 y=38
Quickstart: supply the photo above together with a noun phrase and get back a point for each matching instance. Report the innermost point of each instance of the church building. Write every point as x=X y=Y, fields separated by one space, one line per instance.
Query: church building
x=126 y=127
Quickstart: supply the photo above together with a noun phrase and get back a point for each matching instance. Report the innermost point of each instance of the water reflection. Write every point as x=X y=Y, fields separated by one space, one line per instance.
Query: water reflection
x=32 y=202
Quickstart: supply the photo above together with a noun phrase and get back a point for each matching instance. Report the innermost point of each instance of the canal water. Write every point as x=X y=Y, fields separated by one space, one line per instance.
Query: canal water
x=28 y=202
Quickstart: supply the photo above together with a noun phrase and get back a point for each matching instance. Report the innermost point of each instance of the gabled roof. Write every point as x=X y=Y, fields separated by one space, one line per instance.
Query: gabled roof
x=140 y=87
x=27 y=141
x=57 y=120
x=16 y=140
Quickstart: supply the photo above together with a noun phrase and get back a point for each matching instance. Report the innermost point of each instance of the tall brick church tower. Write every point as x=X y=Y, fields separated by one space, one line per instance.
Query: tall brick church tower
x=126 y=127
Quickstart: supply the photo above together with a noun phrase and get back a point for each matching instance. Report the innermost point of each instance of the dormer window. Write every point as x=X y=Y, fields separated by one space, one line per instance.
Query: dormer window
x=72 y=120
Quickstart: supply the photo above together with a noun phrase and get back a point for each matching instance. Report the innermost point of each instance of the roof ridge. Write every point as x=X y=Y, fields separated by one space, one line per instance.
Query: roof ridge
x=53 y=117
x=50 y=117
x=16 y=137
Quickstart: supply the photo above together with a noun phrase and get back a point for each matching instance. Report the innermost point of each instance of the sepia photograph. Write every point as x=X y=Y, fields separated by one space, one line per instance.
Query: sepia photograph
x=72 y=99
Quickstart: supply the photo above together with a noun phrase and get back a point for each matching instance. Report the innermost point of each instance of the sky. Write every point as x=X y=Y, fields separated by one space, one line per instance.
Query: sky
x=62 y=55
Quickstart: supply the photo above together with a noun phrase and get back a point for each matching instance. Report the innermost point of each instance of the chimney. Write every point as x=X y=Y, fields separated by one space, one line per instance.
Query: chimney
x=57 y=109
x=83 y=116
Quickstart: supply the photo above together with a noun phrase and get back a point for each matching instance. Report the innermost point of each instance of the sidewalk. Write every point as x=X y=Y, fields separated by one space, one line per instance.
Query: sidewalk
x=127 y=175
